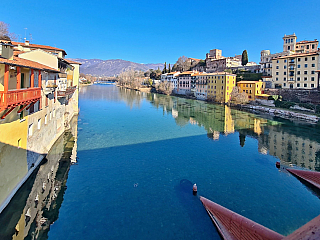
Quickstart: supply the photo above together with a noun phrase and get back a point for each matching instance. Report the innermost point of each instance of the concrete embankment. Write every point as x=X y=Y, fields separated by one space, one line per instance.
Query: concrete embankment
x=285 y=114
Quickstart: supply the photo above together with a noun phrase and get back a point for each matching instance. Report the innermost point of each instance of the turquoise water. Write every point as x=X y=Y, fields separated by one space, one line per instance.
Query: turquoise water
x=139 y=154
x=133 y=155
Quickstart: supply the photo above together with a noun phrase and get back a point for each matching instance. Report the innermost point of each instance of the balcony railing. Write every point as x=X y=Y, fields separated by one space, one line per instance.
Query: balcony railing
x=18 y=97
x=68 y=92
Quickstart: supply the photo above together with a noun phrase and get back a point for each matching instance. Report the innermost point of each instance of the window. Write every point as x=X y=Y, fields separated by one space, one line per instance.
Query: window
x=308 y=48
x=312 y=72
x=250 y=91
x=277 y=79
x=306 y=65
x=312 y=85
x=306 y=59
x=312 y=79
x=305 y=72
x=313 y=58
x=284 y=73
x=305 y=85
x=39 y=123
x=284 y=84
x=285 y=60
x=299 y=59
x=298 y=65
x=306 y=79
x=277 y=73
x=298 y=72
x=285 y=67
x=277 y=61
x=313 y=65
x=277 y=67
x=222 y=87
x=30 y=129
x=298 y=78
x=298 y=84
x=292 y=40
x=313 y=46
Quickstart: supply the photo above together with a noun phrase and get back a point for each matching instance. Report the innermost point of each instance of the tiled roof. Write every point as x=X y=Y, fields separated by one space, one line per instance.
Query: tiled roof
x=296 y=55
x=72 y=62
x=38 y=46
x=248 y=82
x=26 y=63
x=304 y=41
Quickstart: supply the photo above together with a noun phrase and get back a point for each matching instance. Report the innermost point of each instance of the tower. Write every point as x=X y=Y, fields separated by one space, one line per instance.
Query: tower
x=289 y=42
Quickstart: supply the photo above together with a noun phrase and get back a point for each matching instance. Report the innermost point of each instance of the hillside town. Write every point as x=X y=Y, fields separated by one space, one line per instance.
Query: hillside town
x=296 y=67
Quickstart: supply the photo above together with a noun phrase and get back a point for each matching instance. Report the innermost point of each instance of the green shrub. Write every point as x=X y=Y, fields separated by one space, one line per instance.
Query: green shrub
x=284 y=104
x=308 y=106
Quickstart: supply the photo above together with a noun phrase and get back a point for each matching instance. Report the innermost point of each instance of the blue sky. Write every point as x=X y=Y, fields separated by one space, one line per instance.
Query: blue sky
x=146 y=31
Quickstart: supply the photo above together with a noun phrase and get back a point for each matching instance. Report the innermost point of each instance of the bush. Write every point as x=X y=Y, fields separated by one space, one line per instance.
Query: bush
x=317 y=109
x=284 y=104
x=307 y=105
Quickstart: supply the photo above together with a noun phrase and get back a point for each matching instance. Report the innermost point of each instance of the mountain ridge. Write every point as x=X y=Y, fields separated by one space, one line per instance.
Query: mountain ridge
x=112 y=67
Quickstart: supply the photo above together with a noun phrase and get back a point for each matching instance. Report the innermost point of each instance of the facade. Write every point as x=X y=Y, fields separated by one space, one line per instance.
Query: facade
x=201 y=86
x=296 y=71
x=34 y=110
x=184 y=82
x=251 y=88
x=220 y=86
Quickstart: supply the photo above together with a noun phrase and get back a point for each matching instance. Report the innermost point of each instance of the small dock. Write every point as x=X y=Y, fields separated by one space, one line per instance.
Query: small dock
x=309 y=176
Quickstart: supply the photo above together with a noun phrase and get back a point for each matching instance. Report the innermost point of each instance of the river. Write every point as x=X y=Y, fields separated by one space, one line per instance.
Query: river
x=138 y=155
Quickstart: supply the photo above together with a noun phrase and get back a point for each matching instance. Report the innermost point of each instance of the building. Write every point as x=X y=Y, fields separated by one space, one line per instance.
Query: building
x=220 y=86
x=201 y=86
x=296 y=71
x=290 y=47
x=38 y=98
x=252 y=88
x=184 y=82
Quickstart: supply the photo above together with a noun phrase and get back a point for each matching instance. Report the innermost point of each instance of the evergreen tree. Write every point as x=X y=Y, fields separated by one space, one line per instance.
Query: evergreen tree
x=244 y=59
x=169 y=70
x=165 y=68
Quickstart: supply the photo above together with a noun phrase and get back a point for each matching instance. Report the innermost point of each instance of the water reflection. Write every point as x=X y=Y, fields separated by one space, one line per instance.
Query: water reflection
x=293 y=144
x=36 y=205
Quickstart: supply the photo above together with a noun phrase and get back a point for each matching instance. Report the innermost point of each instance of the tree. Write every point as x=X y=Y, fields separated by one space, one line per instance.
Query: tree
x=4 y=32
x=244 y=59
x=169 y=70
x=165 y=68
x=182 y=64
x=237 y=97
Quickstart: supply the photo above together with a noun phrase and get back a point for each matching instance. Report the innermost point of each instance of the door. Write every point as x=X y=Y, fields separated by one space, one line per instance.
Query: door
x=22 y=80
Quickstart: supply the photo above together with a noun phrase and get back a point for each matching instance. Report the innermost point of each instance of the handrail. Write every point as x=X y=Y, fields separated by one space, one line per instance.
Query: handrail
x=19 y=96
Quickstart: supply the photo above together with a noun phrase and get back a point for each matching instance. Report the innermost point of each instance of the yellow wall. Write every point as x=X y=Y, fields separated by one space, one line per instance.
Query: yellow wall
x=220 y=86
x=251 y=88
x=41 y=57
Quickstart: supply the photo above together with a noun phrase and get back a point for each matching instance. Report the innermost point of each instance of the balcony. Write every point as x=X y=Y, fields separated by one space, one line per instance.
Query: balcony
x=67 y=93
x=14 y=98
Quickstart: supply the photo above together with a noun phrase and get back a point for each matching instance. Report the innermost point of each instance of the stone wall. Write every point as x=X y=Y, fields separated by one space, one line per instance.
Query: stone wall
x=297 y=95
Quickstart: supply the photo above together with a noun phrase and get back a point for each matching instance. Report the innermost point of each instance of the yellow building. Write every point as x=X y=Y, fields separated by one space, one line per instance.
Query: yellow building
x=220 y=86
x=254 y=89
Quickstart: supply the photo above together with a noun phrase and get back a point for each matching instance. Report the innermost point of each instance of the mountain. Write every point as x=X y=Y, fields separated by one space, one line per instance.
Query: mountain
x=112 y=67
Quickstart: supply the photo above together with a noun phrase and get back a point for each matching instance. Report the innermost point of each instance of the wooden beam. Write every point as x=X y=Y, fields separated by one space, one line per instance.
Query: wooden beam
x=23 y=108
x=18 y=78
x=6 y=78
x=7 y=113
x=32 y=79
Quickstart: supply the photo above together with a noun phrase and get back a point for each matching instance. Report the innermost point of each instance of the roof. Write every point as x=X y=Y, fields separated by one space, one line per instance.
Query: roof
x=72 y=62
x=26 y=63
x=305 y=41
x=234 y=226
x=30 y=45
x=195 y=59
x=297 y=55
x=266 y=76
x=249 y=82
x=222 y=73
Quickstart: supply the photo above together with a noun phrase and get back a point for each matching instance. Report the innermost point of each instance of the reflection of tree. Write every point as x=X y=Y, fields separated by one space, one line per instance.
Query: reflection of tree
x=242 y=138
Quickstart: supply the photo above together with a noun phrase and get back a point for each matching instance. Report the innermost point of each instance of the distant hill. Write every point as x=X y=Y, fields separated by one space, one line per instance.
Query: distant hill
x=112 y=67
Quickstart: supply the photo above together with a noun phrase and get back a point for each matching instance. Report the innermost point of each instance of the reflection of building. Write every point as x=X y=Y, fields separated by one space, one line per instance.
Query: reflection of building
x=290 y=148
x=40 y=205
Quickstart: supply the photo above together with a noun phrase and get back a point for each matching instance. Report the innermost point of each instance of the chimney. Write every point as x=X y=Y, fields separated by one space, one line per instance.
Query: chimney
x=6 y=50
x=27 y=43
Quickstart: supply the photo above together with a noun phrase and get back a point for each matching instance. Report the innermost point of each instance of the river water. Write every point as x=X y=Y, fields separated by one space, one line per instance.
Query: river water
x=139 y=154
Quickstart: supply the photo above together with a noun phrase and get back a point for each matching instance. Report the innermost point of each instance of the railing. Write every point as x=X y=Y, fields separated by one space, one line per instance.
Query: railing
x=18 y=97
x=69 y=91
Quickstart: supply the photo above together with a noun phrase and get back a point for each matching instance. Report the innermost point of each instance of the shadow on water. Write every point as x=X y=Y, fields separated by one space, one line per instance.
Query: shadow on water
x=195 y=209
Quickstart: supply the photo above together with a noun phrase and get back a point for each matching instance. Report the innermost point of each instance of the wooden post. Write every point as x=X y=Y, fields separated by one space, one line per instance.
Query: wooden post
x=32 y=79
x=39 y=79
x=18 y=78
x=6 y=78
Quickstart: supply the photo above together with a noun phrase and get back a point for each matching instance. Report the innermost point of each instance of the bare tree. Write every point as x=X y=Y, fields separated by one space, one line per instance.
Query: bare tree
x=238 y=97
x=182 y=64
x=165 y=87
x=4 y=32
